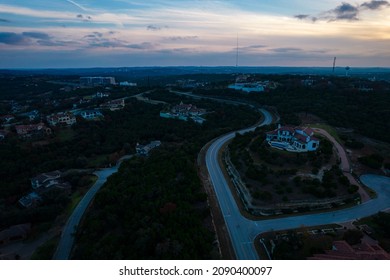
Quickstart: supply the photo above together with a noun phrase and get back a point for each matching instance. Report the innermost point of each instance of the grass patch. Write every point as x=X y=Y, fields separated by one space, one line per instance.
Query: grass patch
x=78 y=195
x=329 y=129
x=47 y=250
x=98 y=161
x=66 y=134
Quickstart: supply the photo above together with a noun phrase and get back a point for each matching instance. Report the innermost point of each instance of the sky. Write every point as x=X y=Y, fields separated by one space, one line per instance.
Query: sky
x=127 y=33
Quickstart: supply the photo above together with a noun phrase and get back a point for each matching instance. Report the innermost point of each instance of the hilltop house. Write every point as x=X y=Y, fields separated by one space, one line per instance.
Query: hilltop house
x=43 y=184
x=91 y=114
x=114 y=105
x=184 y=112
x=293 y=139
x=45 y=180
x=64 y=119
x=144 y=150
x=32 y=130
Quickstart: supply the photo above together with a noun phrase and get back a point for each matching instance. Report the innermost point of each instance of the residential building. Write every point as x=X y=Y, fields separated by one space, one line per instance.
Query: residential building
x=97 y=81
x=32 y=130
x=7 y=118
x=62 y=119
x=114 y=105
x=248 y=87
x=185 y=112
x=102 y=94
x=33 y=199
x=293 y=139
x=46 y=180
x=341 y=250
x=127 y=84
x=91 y=114
x=145 y=149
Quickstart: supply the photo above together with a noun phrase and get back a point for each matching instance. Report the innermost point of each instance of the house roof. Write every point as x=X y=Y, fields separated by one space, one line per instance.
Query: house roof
x=343 y=251
x=301 y=138
x=43 y=177
x=287 y=128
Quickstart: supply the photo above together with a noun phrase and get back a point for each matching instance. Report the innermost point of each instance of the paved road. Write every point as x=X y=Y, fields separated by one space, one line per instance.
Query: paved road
x=243 y=231
x=240 y=229
x=67 y=237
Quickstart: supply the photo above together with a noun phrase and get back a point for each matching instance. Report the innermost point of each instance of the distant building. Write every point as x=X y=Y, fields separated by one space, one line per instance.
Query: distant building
x=248 y=87
x=145 y=149
x=91 y=114
x=7 y=118
x=97 y=81
x=102 y=95
x=31 y=200
x=185 y=112
x=293 y=139
x=62 y=119
x=45 y=180
x=32 y=130
x=114 y=105
x=341 y=250
x=43 y=184
x=127 y=84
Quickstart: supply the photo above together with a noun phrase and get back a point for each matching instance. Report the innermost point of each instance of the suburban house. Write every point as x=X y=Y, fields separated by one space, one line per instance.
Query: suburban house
x=45 y=180
x=293 y=139
x=143 y=150
x=33 y=199
x=62 y=119
x=91 y=114
x=248 y=87
x=341 y=250
x=41 y=185
x=114 y=105
x=7 y=118
x=97 y=81
x=32 y=130
x=184 y=112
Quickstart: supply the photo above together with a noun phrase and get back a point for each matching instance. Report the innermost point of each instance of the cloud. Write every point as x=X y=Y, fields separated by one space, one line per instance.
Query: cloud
x=180 y=38
x=256 y=47
x=84 y=17
x=76 y=4
x=29 y=39
x=306 y=17
x=11 y=38
x=142 y=46
x=375 y=5
x=345 y=11
x=36 y=35
x=152 y=27
x=286 y=50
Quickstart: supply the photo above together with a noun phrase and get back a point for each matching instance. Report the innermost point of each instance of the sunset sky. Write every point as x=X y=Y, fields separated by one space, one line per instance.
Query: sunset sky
x=115 y=33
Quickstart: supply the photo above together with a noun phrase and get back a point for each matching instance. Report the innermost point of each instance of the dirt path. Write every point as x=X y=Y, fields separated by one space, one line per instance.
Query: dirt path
x=345 y=164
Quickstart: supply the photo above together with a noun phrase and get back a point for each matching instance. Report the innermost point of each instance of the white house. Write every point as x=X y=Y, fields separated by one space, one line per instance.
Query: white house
x=293 y=139
x=64 y=119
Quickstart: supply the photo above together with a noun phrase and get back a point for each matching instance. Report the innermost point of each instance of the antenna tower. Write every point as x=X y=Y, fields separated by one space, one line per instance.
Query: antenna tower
x=334 y=64
x=237 y=52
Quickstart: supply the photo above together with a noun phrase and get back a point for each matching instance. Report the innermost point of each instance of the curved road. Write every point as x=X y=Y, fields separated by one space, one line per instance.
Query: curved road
x=67 y=237
x=243 y=231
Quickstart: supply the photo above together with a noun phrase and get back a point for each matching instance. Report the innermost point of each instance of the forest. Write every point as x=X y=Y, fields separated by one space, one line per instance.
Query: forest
x=337 y=100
